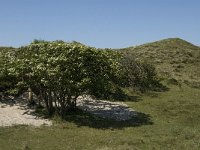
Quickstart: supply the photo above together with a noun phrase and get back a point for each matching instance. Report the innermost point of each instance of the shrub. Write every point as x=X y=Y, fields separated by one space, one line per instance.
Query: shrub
x=138 y=75
x=59 y=72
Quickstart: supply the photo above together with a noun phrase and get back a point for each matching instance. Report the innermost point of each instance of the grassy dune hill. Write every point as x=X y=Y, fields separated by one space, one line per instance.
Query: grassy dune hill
x=174 y=58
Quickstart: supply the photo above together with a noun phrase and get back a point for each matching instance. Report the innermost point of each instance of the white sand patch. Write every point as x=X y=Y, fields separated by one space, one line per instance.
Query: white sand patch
x=19 y=114
x=106 y=109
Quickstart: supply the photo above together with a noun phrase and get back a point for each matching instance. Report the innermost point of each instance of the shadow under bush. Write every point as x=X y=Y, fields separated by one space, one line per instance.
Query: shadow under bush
x=82 y=118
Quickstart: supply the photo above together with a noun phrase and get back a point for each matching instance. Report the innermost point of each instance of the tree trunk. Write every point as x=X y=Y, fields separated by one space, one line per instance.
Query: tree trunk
x=45 y=98
x=74 y=103
x=30 y=97
x=63 y=109
x=50 y=101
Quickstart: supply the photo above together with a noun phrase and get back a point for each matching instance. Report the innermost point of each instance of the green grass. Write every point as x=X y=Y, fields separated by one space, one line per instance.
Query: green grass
x=168 y=120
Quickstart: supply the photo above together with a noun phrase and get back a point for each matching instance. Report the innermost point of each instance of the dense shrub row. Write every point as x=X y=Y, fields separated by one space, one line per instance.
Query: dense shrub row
x=58 y=72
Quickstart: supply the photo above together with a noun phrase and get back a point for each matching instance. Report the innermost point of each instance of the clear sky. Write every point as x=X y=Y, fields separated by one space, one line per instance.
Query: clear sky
x=98 y=23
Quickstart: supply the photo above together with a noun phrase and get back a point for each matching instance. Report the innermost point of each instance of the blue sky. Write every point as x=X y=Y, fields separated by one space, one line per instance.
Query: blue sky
x=99 y=23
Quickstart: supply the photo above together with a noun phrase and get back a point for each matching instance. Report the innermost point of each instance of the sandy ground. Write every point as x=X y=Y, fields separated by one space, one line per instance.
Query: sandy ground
x=19 y=115
x=16 y=112
x=106 y=109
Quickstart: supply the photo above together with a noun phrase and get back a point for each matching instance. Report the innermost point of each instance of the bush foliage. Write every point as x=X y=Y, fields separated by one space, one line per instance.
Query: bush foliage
x=138 y=75
x=59 y=72
x=7 y=81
